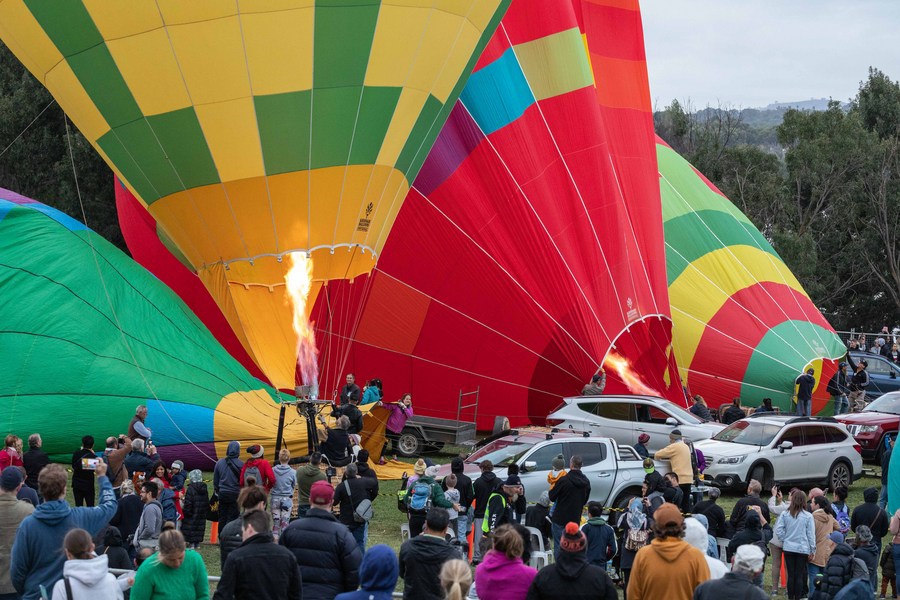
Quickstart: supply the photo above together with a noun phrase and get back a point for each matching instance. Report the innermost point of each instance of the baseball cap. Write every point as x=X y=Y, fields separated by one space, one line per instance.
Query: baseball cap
x=321 y=492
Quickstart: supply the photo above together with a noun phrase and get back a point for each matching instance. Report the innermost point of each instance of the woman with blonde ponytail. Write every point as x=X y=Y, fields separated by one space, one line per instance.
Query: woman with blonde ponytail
x=456 y=579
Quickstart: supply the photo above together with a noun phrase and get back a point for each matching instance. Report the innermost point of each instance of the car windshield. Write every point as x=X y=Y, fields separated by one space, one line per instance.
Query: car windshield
x=501 y=452
x=889 y=403
x=749 y=432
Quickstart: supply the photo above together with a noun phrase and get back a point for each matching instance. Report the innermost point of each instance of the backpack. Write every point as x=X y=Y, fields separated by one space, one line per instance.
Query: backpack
x=842 y=516
x=636 y=539
x=253 y=471
x=419 y=497
x=362 y=512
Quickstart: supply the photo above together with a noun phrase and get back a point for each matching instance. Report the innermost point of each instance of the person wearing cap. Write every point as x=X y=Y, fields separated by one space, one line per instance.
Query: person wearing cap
x=570 y=494
x=12 y=513
x=668 y=567
x=641 y=446
x=805 y=384
x=839 y=388
x=653 y=487
x=500 y=505
x=596 y=386
x=328 y=556
x=256 y=461
x=571 y=575
x=859 y=381
x=738 y=583
x=679 y=456
x=417 y=519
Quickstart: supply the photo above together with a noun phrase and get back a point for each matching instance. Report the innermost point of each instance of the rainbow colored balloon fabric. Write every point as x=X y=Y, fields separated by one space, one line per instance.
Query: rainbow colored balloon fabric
x=743 y=324
x=88 y=335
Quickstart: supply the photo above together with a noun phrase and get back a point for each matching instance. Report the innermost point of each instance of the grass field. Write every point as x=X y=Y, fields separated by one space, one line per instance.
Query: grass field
x=385 y=528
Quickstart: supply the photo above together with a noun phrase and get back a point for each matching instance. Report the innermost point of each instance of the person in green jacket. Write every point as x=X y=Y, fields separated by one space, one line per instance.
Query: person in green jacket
x=308 y=474
x=173 y=573
x=417 y=516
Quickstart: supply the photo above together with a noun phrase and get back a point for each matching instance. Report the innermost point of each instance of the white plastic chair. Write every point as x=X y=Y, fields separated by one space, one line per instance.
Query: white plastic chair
x=722 y=543
x=539 y=560
x=404 y=532
x=537 y=539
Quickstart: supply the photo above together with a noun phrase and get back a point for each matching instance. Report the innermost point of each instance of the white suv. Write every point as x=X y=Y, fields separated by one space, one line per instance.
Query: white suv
x=782 y=449
x=625 y=418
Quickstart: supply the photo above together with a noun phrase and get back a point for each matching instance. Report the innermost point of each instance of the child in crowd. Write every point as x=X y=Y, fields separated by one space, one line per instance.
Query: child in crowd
x=556 y=473
x=888 y=572
x=177 y=478
x=452 y=494
x=601 y=538
x=282 y=493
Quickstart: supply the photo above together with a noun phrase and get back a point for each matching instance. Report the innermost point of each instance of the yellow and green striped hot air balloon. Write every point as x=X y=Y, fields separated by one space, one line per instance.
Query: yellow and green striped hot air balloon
x=255 y=129
x=743 y=326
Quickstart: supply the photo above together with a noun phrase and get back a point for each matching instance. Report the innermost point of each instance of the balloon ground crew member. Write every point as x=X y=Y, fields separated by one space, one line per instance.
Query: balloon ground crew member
x=500 y=506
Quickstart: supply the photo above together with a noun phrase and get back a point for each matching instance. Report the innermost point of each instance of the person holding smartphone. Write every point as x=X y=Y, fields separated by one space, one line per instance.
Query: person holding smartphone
x=82 y=474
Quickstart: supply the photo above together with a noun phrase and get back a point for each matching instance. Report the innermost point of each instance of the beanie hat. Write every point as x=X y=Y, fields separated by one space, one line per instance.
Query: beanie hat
x=11 y=478
x=559 y=463
x=675 y=433
x=513 y=480
x=668 y=514
x=572 y=539
x=643 y=438
x=255 y=451
x=749 y=558
x=837 y=537
x=178 y=465
x=544 y=500
x=419 y=467
x=195 y=476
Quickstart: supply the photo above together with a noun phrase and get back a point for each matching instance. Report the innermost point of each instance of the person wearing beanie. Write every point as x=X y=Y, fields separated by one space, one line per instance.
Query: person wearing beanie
x=679 y=456
x=437 y=499
x=595 y=387
x=466 y=497
x=12 y=512
x=258 y=468
x=641 y=446
x=537 y=516
x=738 y=583
x=571 y=576
x=557 y=471
x=867 y=552
x=695 y=535
x=378 y=575
x=418 y=470
x=668 y=567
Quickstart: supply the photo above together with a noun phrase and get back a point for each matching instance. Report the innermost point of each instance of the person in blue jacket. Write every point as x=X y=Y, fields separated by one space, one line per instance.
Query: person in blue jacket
x=37 y=558
x=377 y=575
x=373 y=392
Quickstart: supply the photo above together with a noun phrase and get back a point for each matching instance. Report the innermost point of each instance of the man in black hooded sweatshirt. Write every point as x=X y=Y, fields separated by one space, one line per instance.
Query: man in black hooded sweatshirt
x=871 y=515
x=483 y=487
x=466 y=496
x=571 y=576
x=570 y=494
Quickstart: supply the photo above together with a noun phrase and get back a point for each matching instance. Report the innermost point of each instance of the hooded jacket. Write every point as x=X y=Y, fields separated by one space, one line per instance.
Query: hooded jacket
x=262 y=570
x=114 y=549
x=88 y=579
x=195 y=507
x=421 y=559
x=463 y=484
x=378 y=575
x=227 y=473
x=12 y=513
x=572 y=578
x=128 y=514
x=869 y=555
x=667 y=568
x=499 y=577
x=824 y=524
x=285 y=481
x=870 y=514
x=838 y=572
x=731 y=585
x=306 y=476
x=328 y=555
x=695 y=535
x=601 y=541
x=36 y=559
x=369 y=473
x=570 y=494
x=265 y=471
x=482 y=487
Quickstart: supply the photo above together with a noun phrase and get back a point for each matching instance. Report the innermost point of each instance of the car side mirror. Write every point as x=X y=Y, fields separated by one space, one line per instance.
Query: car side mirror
x=785 y=446
x=529 y=465
x=671 y=422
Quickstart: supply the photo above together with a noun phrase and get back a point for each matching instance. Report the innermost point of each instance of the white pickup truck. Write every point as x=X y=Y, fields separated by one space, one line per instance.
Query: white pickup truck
x=615 y=472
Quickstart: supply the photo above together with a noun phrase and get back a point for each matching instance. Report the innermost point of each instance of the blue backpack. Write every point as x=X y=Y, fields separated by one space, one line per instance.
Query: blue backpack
x=419 y=497
x=842 y=516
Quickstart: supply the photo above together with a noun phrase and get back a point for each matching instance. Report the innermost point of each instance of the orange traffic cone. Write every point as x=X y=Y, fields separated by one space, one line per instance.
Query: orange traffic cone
x=469 y=538
x=214 y=533
x=783 y=574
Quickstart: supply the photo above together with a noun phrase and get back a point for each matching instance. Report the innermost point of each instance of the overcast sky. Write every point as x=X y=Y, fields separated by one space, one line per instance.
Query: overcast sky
x=750 y=53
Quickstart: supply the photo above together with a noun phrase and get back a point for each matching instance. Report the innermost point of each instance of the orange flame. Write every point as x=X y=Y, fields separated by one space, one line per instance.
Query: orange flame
x=631 y=379
x=299 y=282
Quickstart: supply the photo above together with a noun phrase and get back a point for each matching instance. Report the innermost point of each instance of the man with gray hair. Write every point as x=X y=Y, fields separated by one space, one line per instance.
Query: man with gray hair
x=742 y=506
x=713 y=512
x=746 y=566
x=138 y=461
x=349 y=495
x=36 y=459
x=137 y=430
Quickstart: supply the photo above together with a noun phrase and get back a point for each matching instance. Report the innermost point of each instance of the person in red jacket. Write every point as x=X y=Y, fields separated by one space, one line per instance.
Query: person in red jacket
x=258 y=464
x=11 y=455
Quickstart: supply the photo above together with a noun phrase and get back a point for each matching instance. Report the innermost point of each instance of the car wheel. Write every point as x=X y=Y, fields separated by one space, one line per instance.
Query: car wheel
x=840 y=475
x=760 y=473
x=409 y=444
